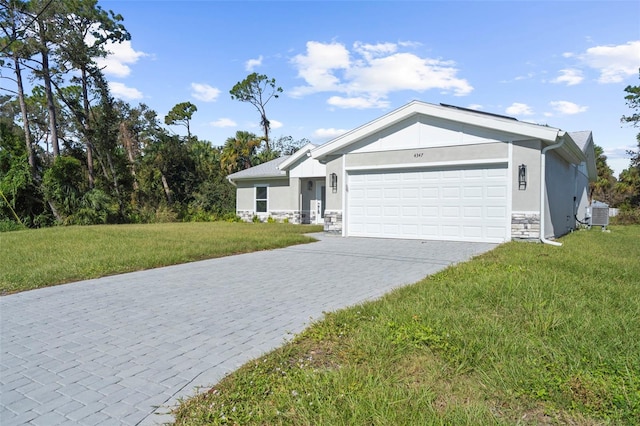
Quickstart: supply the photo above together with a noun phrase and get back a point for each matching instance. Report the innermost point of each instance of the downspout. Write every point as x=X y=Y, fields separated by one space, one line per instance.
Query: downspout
x=543 y=188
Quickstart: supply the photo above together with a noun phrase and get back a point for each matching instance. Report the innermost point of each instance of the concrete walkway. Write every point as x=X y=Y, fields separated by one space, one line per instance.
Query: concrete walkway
x=122 y=350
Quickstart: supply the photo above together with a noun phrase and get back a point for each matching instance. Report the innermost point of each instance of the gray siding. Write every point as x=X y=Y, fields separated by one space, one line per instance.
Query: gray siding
x=560 y=183
x=528 y=153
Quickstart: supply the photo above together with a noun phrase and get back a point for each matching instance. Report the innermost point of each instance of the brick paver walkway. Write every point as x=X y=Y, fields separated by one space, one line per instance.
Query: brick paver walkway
x=113 y=350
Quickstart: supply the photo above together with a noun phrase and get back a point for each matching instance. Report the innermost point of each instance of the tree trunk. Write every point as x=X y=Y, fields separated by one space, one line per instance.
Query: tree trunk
x=46 y=75
x=131 y=155
x=25 y=118
x=87 y=130
x=165 y=185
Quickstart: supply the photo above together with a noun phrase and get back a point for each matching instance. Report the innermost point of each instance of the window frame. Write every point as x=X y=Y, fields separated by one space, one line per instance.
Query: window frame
x=256 y=200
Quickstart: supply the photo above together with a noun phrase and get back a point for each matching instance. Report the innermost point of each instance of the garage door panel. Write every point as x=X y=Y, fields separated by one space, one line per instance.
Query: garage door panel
x=453 y=204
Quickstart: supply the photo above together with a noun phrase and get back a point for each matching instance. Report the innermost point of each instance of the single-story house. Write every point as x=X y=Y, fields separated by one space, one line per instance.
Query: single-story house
x=427 y=171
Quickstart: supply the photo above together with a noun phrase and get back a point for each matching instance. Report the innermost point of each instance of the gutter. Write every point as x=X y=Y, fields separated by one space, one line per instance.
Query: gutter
x=543 y=187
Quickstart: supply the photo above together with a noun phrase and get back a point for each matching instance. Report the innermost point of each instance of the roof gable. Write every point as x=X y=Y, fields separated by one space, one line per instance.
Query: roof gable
x=301 y=153
x=468 y=117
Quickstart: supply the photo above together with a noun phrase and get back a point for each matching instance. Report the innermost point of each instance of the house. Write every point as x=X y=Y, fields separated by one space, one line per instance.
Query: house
x=289 y=188
x=429 y=171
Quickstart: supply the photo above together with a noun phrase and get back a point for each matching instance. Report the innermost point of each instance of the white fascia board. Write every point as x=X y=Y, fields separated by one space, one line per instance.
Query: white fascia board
x=296 y=156
x=529 y=130
x=570 y=151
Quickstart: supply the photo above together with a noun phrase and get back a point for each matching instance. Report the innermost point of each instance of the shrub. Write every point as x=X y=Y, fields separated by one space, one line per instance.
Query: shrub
x=7 y=225
x=271 y=220
x=255 y=219
x=626 y=217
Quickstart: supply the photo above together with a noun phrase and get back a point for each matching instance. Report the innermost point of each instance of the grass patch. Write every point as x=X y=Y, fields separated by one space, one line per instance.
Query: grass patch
x=525 y=334
x=43 y=257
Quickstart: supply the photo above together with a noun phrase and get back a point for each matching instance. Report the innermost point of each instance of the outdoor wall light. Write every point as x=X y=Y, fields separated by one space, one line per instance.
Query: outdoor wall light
x=310 y=185
x=334 y=182
x=522 y=177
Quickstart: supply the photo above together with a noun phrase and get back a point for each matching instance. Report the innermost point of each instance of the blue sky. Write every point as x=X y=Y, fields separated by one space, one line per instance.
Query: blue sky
x=342 y=64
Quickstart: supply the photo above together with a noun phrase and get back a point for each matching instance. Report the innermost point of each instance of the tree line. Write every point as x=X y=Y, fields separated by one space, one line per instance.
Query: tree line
x=70 y=153
x=623 y=192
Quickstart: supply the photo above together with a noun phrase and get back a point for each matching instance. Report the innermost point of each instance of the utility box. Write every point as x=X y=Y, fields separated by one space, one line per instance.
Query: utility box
x=598 y=214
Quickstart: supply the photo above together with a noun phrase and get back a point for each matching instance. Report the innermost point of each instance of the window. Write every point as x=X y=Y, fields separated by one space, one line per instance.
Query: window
x=261 y=199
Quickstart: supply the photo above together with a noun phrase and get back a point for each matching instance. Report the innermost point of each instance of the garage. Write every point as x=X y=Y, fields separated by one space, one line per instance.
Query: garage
x=454 y=203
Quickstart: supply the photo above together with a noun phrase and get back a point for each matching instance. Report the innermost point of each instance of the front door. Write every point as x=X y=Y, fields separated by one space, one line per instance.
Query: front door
x=321 y=194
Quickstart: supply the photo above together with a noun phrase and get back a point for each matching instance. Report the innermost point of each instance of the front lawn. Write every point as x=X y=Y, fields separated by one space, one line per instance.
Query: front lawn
x=43 y=257
x=526 y=334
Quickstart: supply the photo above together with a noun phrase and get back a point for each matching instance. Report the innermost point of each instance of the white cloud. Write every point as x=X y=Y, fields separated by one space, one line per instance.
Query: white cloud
x=252 y=63
x=274 y=124
x=475 y=106
x=317 y=66
x=368 y=73
x=204 y=92
x=329 y=133
x=567 y=108
x=615 y=63
x=357 y=102
x=517 y=108
x=120 y=90
x=120 y=56
x=224 y=122
x=569 y=76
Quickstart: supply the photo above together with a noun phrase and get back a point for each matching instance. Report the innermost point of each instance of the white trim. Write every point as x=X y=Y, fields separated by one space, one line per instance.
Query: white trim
x=345 y=188
x=509 y=190
x=428 y=165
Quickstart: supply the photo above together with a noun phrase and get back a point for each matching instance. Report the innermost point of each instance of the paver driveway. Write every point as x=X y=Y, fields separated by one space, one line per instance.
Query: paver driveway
x=112 y=350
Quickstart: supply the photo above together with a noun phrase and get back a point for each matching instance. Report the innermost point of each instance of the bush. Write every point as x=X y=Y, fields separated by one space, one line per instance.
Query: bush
x=256 y=219
x=7 y=225
x=271 y=220
x=627 y=216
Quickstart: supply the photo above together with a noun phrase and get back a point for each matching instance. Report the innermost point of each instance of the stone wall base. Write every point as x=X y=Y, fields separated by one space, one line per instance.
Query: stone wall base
x=292 y=216
x=525 y=226
x=333 y=221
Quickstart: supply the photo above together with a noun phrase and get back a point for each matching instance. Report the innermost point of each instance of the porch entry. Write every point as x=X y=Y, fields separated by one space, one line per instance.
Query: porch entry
x=312 y=198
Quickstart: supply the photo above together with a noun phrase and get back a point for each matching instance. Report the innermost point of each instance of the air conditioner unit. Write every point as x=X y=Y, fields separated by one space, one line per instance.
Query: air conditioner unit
x=598 y=214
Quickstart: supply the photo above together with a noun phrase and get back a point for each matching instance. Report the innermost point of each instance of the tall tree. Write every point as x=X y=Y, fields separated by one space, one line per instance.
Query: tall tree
x=630 y=178
x=181 y=114
x=86 y=29
x=45 y=36
x=13 y=22
x=258 y=90
x=604 y=187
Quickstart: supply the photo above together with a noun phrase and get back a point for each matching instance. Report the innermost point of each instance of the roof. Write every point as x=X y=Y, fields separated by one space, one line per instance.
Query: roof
x=462 y=115
x=296 y=156
x=581 y=138
x=584 y=140
x=265 y=170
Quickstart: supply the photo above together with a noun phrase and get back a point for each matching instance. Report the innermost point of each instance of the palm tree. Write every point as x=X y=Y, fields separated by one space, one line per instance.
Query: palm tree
x=239 y=151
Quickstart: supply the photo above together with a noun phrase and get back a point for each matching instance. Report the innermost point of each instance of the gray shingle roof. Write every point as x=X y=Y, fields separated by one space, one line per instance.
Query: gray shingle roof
x=581 y=138
x=264 y=170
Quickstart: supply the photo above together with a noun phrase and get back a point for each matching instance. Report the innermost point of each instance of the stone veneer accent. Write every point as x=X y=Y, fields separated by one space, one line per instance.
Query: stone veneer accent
x=333 y=221
x=293 y=216
x=525 y=226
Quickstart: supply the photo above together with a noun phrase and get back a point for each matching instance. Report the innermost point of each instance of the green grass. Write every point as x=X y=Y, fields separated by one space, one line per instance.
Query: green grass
x=42 y=257
x=525 y=334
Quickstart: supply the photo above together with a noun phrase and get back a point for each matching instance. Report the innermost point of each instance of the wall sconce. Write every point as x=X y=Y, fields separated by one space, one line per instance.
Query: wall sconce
x=522 y=177
x=310 y=185
x=334 y=182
